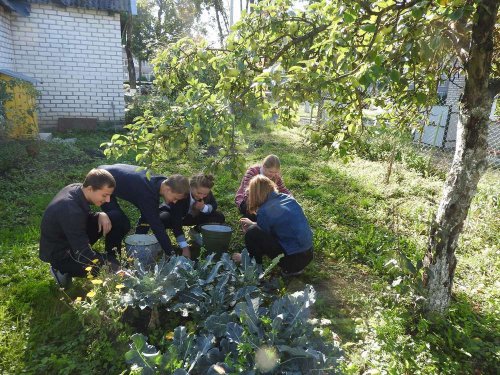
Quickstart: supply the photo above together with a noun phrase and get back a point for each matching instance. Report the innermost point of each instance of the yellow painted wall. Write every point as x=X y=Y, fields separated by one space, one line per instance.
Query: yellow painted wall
x=20 y=109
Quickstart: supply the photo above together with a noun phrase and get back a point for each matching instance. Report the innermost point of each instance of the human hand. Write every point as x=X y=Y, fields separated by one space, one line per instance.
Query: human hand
x=186 y=252
x=199 y=205
x=245 y=224
x=236 y=257
x=103 y=223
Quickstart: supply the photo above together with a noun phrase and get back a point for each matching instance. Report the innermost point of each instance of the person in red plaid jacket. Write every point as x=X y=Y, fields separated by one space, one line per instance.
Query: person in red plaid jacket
x=271 y=168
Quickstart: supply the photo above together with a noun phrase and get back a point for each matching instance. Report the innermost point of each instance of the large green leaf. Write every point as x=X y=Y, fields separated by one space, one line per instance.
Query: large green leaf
x=142 y=355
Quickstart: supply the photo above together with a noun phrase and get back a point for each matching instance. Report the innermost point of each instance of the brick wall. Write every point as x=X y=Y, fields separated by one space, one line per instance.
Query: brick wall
x=75 y=54
x=6 y=47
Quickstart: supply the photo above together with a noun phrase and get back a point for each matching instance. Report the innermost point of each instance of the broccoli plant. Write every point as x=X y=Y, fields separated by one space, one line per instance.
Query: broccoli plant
x=181 y=285
x=235 y=323
x=250 y=339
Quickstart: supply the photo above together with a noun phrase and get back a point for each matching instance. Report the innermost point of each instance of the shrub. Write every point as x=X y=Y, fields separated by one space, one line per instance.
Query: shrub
x=381 y=143
x=11 y=154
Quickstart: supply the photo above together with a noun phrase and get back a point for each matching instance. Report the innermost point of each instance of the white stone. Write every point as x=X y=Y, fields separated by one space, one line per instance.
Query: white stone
x=70 y=141
x=45 y=136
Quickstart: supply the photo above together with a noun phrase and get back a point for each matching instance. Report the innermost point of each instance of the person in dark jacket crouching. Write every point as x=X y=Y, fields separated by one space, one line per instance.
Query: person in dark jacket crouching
x=134 y=185
x=202 y=204
x=281 y=227
x=69 y=228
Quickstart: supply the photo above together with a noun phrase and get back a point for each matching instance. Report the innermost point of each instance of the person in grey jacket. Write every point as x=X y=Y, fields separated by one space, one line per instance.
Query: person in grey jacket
x=69 y=228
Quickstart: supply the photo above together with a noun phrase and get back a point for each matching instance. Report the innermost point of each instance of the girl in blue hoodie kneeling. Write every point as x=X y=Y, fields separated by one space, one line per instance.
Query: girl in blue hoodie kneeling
x=281 y=227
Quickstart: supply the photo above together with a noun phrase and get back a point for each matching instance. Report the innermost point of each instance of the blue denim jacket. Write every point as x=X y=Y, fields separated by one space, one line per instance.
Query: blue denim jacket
x=282 y=217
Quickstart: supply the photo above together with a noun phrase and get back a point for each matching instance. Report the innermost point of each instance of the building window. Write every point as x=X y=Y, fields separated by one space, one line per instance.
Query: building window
x=442 y=91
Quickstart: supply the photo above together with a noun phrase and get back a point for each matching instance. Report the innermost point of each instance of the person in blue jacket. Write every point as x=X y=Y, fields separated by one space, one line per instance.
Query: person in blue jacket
x=134 y=186
x=281 y=227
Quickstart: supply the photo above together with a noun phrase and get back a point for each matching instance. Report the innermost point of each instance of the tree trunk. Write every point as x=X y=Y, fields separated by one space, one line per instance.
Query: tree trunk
x=319 y=115
x=140 y=71
x=219 y=26
x=220 y=13
x=469 y=163
x=130 y=58
x=392 y=157
x=159 y=22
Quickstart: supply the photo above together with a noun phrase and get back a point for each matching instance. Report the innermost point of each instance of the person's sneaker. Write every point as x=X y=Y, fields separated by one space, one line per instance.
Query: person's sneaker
x=196 y=236
x=290 y=274
x=62 y=279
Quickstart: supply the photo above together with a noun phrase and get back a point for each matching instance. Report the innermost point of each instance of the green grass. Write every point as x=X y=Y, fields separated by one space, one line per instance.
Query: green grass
x=359 y=225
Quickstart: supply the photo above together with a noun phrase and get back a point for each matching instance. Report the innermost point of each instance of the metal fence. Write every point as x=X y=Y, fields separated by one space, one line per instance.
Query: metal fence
x=494 y=144
x=437 y=139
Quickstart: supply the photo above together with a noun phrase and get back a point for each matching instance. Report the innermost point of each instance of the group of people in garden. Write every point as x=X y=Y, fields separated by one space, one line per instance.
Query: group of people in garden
x=272 y=220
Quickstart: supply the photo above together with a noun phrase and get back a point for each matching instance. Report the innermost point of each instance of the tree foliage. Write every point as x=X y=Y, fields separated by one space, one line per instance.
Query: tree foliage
x=174 y=19
x=354 y=54
x=143 y=31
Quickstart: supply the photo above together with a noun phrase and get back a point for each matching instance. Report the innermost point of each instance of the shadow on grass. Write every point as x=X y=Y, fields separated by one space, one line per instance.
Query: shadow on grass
x=60 y=343
x=471 y=335
x=465 y=341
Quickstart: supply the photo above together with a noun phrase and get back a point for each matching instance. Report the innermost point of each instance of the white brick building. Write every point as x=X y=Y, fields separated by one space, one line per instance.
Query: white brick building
x=74 y=53
x=442 y=129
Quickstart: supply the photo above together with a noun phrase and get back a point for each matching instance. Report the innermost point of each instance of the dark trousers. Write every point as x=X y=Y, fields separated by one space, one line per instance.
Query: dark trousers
x=214 y=217
x=244 y=211
x=166 y=217
x=76 y=267
x=120 y=225
x=260 y=243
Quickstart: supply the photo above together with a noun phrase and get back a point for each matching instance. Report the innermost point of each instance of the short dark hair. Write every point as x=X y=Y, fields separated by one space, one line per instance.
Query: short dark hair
x=178 y=183
x=98 y=179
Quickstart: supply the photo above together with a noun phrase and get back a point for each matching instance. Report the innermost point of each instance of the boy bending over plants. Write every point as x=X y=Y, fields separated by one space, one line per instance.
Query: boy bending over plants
x=200 y=207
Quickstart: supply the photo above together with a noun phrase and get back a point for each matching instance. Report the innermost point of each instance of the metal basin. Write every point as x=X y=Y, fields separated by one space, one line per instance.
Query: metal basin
x=143 y=247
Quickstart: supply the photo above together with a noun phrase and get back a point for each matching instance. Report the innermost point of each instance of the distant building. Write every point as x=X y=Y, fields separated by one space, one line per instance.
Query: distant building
x=146 y=69
x=72 y=49
x=442 y=130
